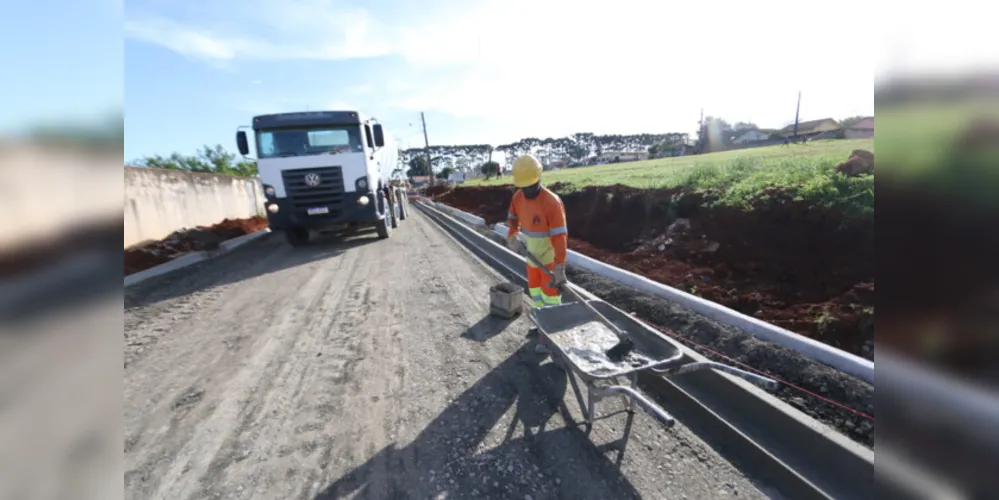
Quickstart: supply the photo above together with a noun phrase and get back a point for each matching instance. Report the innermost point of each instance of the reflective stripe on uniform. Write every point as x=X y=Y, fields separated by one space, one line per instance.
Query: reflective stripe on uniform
x=535 y=234
x=552 y=300
x=511 y=216
x=557 y=231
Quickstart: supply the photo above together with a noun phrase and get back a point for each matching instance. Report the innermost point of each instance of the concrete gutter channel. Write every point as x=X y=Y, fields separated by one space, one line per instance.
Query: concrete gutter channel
x=763 y=436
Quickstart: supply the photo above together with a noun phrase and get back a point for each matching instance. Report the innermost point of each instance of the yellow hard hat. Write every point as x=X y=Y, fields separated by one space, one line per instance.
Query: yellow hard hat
x=526 y=171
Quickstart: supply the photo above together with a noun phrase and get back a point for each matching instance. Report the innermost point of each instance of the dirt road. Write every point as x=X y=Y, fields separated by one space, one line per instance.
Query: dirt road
x=370 y=369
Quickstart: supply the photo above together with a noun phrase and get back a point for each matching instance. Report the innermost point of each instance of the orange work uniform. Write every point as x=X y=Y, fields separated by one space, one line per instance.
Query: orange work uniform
x=541 y=221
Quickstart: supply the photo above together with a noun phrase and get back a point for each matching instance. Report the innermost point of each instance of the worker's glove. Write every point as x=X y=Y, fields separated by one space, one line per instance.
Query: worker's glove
x=559 y=276
x=514 y=244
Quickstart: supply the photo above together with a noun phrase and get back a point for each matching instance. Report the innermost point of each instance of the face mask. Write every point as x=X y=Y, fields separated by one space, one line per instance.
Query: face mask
x=532 y=192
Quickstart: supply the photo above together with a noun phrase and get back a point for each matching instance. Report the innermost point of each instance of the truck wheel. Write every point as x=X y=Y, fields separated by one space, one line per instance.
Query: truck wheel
x=403 y=206
x=297 y=237
x=394 y=209
x=384 y=226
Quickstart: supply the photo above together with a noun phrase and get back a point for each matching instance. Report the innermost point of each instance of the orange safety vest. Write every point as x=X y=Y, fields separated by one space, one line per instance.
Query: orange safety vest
x=541 y=221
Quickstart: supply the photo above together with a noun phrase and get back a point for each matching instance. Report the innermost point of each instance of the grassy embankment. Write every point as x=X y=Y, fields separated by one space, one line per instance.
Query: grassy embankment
x=806 y=172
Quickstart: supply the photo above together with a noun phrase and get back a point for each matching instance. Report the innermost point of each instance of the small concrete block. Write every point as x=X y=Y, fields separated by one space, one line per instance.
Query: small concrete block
x=506 y=300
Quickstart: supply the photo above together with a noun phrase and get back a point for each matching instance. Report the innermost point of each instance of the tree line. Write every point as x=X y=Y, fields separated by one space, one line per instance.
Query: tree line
x=713 y=134
x=208 y=159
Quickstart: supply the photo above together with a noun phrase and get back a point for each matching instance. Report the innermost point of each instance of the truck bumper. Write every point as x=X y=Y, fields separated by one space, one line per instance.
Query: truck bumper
x=291 y=215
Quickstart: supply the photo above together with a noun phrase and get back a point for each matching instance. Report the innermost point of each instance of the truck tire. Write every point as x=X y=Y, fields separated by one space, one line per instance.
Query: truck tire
x=384 y=226
x=395 y=209
x=297 y=237
x=403 y=205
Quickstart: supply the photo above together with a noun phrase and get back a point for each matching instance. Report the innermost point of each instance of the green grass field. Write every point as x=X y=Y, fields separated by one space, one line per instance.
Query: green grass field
x=807 y=171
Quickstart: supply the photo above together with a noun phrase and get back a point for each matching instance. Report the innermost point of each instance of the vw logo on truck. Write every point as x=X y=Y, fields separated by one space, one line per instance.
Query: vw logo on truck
x=326 y=172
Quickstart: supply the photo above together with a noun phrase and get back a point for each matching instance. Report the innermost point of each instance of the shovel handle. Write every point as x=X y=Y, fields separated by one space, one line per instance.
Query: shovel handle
x=620 y=334
x=544 y=268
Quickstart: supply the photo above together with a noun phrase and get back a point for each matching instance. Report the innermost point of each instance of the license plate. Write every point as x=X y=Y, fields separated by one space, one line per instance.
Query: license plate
x=319 y=210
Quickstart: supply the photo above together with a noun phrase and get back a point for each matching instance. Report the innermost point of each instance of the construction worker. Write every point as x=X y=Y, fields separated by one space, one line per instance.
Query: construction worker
x=538 y=215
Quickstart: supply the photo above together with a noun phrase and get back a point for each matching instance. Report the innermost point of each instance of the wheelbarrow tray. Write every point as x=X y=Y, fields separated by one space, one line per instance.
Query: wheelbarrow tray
x=578 y=336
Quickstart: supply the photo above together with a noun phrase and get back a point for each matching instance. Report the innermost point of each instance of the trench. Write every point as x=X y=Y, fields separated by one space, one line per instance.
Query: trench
x=804 y=268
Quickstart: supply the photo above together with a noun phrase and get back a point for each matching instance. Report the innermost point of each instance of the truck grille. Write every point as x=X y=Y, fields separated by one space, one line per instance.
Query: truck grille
x=329 y=192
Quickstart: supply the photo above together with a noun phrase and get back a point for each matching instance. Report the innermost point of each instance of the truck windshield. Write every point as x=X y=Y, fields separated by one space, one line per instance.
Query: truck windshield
x=275 y=143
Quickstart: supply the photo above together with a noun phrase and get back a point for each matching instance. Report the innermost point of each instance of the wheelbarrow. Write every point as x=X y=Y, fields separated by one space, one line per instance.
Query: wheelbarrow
x=577 y=340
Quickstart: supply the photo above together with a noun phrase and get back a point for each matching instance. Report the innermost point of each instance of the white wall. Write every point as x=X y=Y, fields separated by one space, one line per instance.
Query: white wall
x=46 y=191
x=159 y=202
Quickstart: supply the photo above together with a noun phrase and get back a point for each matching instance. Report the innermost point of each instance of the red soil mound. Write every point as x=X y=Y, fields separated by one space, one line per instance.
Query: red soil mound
x=189 y=240
x=807 y=269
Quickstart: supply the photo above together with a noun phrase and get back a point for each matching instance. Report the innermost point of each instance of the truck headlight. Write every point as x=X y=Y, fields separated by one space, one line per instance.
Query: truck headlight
x=362 y=183
x=269 y=191
x=272 y=208
x=363 y=200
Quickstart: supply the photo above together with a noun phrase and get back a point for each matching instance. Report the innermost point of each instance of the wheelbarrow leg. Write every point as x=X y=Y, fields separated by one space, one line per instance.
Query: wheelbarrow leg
x=590 y=404
x=587 y=415
x=633 y=377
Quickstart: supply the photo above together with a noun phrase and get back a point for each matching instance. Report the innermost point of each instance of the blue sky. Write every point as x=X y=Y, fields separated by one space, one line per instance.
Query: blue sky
x=193 y=70
x=61 y=61
x=484 y=72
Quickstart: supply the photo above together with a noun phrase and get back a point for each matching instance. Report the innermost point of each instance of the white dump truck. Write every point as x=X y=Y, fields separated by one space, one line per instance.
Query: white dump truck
x=325 y=171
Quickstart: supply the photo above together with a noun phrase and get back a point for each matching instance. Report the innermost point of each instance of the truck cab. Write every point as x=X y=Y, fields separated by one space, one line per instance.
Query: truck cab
x=324 y=171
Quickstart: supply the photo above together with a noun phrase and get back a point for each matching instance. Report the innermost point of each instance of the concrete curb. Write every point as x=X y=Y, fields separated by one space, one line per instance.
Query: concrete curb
x=192 y=258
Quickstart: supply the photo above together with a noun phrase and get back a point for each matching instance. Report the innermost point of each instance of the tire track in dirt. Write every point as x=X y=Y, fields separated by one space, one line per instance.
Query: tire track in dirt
x=373 y=370
x=263 y=430
x=187 y=362
x=325 y=390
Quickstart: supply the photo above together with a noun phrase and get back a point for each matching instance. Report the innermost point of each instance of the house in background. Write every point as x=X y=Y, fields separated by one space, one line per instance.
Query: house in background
x=750 y=136
x=678 y=149
x=556 y=164
x=456 y=177
x=616 y=156
x=861 y=130
x=811 y=129
x=420 y=181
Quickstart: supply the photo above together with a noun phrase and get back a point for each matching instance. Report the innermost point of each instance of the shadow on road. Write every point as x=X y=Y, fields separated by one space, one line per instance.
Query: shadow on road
x=486 y=328
x=458 y=456
x=270 y=254
x=71 y=272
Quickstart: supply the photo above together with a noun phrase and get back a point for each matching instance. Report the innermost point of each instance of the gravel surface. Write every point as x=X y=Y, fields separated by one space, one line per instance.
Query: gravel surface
x=371 y=369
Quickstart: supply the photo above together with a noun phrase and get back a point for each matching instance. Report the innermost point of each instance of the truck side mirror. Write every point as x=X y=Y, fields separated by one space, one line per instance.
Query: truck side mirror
x=244 y=147
x=379 y=135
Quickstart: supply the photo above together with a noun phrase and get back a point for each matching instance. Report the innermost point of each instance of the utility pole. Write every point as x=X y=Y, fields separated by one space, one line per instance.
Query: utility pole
x=796 y=114
x=701 y=134
x=426 y=151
